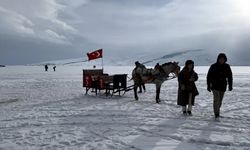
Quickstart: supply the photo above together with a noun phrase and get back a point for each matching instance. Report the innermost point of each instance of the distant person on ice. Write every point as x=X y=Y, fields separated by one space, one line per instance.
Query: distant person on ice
x=218 y=76
x=46 y=67
x=187 y=89
x=54 y=68
x=139 y=68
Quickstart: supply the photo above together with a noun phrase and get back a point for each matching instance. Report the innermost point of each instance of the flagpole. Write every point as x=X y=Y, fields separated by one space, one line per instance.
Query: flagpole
x=102 y=61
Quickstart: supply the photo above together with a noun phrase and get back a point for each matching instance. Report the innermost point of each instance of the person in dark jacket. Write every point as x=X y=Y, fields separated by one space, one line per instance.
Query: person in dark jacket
x=218 y=76
x=142 y=85
x=187 y=89
x=46 y=67
x=54 y=68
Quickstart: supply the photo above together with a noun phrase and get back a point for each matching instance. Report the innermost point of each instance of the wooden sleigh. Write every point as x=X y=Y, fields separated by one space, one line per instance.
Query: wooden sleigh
x=97 y=81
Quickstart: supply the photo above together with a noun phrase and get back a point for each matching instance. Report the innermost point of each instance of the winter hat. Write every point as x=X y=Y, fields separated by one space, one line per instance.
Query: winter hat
x=189 y=62
x=222 y=55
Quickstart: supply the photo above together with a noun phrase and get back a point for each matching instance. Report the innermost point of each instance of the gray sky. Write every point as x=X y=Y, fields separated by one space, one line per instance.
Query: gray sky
x=39 y=30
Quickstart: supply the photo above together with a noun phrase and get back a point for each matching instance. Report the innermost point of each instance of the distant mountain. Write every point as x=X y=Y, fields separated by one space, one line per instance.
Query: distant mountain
x=201 y=58
x=75 y=61
x=2 y=65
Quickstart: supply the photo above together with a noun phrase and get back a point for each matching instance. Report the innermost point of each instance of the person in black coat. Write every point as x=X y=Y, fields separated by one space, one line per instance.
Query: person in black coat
x=187 y=89
x=218 y=76
x=46 y=67
x=54 y=68
x=142 y=85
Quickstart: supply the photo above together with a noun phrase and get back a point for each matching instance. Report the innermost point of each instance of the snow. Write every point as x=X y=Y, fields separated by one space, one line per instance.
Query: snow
x=49 y=110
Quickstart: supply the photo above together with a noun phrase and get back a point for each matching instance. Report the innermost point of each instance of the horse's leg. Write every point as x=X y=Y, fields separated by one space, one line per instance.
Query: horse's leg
x=143 y=86
x=140 y=88
x=135 y=91
x=158 y=89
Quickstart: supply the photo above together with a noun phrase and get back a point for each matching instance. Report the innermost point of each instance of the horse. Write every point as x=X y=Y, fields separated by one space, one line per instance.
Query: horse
x=156 y=76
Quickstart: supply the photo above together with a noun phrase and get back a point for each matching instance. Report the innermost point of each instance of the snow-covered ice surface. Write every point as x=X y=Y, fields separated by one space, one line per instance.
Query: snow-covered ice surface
x=49 y=110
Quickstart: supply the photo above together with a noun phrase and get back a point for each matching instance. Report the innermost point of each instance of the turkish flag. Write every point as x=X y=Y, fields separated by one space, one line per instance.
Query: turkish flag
x=95 y=54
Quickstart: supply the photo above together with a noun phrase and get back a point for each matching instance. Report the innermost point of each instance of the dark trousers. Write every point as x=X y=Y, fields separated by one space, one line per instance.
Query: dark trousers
x=218 y=97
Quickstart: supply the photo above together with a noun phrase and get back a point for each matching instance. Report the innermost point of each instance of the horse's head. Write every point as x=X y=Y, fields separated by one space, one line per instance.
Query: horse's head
x=171 y=67
x=176 y=68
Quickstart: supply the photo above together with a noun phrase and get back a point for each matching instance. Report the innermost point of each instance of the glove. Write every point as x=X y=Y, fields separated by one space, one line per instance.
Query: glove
x=230 y=88
x=192 y=79
x=208 y=89
x=182 y=87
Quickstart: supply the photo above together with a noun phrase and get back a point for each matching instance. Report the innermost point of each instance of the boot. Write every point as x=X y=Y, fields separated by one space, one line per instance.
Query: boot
x=217 y=115
x=184 y=112
x=189 y=113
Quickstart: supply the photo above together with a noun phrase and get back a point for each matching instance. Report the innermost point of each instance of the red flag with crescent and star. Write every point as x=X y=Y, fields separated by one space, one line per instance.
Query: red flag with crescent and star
x=95 y=54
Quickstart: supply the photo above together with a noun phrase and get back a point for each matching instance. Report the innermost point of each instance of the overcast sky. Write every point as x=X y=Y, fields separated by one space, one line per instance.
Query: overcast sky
x=39 y=30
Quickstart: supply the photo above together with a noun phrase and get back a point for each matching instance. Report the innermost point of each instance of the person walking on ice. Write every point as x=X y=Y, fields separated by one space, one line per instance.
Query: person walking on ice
x=187 y=89
x=46 y=67
x=54 y=68
x=218 y=76
x=139 y=70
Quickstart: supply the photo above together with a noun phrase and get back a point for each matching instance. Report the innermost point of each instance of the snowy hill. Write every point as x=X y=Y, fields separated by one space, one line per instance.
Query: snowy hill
x=200 y=57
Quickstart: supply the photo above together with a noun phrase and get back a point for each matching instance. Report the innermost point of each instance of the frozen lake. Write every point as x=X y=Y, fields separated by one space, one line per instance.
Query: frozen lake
x=49 y=110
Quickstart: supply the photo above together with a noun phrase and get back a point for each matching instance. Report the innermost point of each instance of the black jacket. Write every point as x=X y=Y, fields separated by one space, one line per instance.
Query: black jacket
x=188 y=86
x=218 y=76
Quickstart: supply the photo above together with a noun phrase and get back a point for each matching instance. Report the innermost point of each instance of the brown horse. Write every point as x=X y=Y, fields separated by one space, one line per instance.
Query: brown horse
x=156 y=76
